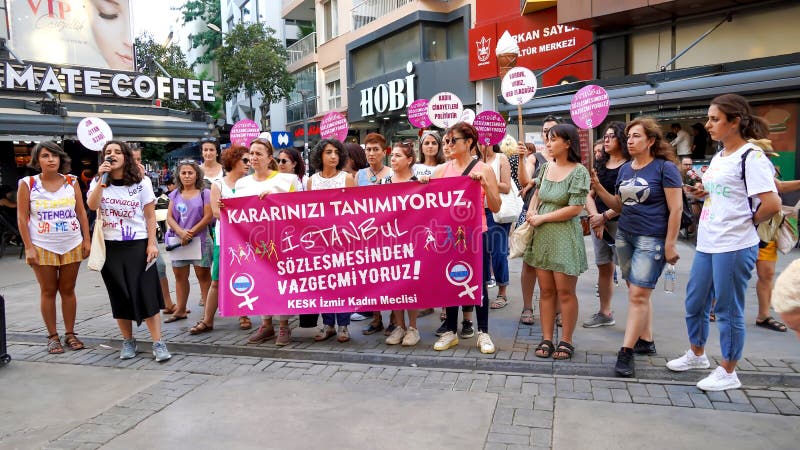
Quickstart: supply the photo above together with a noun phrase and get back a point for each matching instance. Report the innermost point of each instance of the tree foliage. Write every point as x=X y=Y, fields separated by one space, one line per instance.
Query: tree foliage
x=207 y=11
x=171 y=58
x=253 y=61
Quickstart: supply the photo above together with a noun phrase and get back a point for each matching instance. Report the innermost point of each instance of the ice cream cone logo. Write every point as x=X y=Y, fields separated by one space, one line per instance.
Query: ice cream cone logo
x=484 y=49
x=507 y=51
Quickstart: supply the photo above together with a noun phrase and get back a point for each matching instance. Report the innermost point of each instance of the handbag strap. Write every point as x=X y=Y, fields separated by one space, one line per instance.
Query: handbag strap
x=469 y=167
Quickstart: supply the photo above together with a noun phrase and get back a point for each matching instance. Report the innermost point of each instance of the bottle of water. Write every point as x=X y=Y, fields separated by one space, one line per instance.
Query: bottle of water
x=669 y=279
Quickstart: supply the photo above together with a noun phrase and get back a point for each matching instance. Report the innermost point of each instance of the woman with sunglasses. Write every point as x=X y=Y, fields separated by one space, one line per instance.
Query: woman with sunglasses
x=290 y=161
x=462 y=141
x=402 y=161
x=212 y=169
x=188 y=217
x=603 y=221
x=557 y=250
x=236 y=164
x=266 y=180
x=328 y=160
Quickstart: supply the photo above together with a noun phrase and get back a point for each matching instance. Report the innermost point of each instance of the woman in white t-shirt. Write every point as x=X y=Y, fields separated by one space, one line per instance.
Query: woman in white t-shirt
x=126 y=210
x=328 y=159
x=54 y=228
x=212 y=169
x=266 y=180
x=727 y=243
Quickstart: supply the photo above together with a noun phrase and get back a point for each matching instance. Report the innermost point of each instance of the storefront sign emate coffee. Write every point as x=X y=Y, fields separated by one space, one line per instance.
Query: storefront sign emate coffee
x=391 y=96
x=101 y=82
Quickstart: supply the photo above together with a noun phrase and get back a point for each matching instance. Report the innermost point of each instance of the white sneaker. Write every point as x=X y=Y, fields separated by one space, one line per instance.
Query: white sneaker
x=689 y=361
x=396 y=337
x=411 y=338
x=448 y=340
x=485 y=343
x=719 y=380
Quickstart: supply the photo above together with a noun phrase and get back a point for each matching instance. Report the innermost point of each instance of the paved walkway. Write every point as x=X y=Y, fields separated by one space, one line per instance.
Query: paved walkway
x=771 y=358
x=215 y=401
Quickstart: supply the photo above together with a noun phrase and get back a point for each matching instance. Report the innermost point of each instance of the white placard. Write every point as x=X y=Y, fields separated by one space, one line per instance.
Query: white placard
x=445 y=109
x=188 y=252
x=519 y=86
x=94 y=133
x=468 y=116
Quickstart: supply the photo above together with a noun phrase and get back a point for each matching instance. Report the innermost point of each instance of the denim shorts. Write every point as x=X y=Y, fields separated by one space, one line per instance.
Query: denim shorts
x=641 y=258
x=603 y=252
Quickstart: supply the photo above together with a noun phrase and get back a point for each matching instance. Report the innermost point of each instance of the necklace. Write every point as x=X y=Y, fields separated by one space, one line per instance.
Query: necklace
x=374 y=176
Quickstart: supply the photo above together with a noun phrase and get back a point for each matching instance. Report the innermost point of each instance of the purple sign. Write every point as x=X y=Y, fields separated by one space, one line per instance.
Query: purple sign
x=333 y=126
x=243 y=132
x=418 y=113
x=589 y=107
x=491 y=127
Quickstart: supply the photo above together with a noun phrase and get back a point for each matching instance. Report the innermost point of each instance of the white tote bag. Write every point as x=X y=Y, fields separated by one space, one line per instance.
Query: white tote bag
x=97 y=256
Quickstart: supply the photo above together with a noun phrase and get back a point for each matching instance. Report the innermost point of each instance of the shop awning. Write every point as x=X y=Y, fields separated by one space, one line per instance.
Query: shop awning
x=18 y=121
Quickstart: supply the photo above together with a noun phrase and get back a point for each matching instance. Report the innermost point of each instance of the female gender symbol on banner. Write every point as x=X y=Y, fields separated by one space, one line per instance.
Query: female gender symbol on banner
x=418 y=113
x=333 y=126
x=93 y=133
x=445 y=109
x=491 y=127
x=242 y=285
x=460 y=274
x=589 y=106
x=518 y=86
x=243 y=132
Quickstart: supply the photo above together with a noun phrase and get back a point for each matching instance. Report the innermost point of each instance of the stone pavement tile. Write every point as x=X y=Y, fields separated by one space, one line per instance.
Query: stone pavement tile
x=656 y=390
x=90 y=433
x=581 y=385
x=727 y=406
x=503 y=416
x=541 y=437
x=479 y=385
x=757 y=362
x=511 y=429
x=519 y=401
x=541 y=403
x=514 y=382
x=744 y=365
x=764 y=405
x=462 y=384
x=576 y=395
x=495 y=446
x=540 y=380
x=701 y=401
x=535 y=418
x=737 y=396
x=774 y=362
x=765 y=393
x=786 y=406
x=608 y=384
x=547 y=390
x=620 y=396
x=652 y=401
x=717 y=396
x=602 y=394
x=638 y=390
x=794 y=396
x=564 y=385
x=530 y=388
x=497 y=380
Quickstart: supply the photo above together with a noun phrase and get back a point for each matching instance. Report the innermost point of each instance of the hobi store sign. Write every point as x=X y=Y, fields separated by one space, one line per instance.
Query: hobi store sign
x=102 y=82
x=390 y=96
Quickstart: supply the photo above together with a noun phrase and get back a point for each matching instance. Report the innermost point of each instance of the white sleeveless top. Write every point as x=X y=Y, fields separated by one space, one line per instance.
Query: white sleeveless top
x=53 y=223
x=225 y=192
x=338 y=181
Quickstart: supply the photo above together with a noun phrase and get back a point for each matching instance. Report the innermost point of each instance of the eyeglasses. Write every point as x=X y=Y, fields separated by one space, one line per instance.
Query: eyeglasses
x=208 y=139
x=246 y=160
x=405 y=144
x=284 y=161
x=452 y=141
x=609 y=137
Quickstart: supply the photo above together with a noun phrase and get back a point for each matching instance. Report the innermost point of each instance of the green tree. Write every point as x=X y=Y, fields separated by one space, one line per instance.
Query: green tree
x=207 y=11
x=171 y=58
x=253 y=61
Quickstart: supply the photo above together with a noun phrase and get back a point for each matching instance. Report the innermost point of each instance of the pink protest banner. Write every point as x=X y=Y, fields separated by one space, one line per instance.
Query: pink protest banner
x=491 y=127
x=244 y=131
x=333 y=126
x=391 y=246
x=418 y=113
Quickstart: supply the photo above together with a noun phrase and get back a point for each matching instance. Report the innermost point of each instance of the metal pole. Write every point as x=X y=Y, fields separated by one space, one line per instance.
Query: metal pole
x=305 y=129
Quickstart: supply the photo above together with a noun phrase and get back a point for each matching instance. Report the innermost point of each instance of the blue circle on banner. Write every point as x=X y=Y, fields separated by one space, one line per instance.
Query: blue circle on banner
x=242 y=284
x=459 y=273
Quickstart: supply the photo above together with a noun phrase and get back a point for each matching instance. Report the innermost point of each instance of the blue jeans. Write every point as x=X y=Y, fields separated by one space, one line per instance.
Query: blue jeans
x=497 y=245
x=331 y=319
x=641 y=258
x=724 y=275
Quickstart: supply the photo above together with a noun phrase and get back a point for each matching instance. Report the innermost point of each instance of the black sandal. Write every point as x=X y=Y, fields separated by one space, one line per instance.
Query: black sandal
x=546 y=348
x=770 y=323
x=564 y=347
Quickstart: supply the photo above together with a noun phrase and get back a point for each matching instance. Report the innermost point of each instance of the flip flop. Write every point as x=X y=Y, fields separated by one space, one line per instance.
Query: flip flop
x=499 y=303
x=174 y=318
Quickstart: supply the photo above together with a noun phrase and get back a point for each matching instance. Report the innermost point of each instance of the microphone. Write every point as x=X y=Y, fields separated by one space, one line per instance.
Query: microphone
x=172 y=247
x=104 y=178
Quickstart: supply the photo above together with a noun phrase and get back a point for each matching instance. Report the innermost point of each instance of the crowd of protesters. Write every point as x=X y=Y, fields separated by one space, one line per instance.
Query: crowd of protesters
x=632 y=197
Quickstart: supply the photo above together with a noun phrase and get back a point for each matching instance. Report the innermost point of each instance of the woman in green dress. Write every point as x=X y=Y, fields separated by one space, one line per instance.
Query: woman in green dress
x=557 y=249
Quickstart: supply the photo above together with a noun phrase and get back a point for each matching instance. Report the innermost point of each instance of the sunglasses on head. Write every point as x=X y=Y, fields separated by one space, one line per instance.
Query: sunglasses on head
x=208 y=139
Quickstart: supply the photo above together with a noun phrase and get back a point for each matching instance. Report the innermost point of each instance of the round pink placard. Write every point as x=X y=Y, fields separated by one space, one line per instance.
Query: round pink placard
x=333 y=126
x=418 y=113
x=244 y=131
x=491 y=127
x=589 y=106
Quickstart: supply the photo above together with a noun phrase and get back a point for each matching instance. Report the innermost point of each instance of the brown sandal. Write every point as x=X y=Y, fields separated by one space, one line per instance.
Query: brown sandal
x=71 y=340
x=245 y=323
x=200 y=327
x=526 y=318
x=54 y=344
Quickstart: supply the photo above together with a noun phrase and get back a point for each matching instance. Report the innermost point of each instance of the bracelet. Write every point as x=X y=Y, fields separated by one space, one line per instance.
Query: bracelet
x=605 y=217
